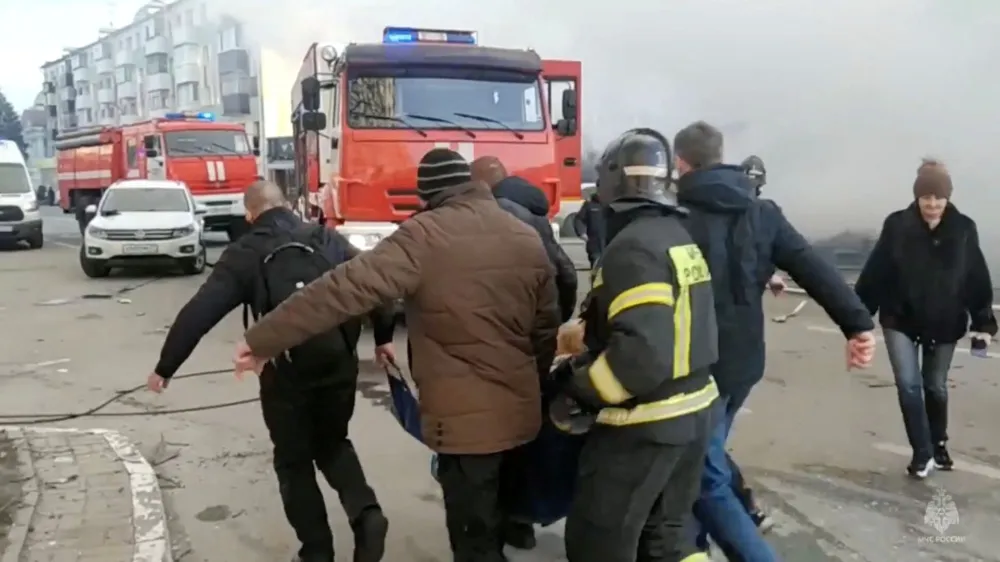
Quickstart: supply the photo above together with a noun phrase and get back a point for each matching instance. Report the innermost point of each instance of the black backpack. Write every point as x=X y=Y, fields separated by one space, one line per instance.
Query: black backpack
x=293 y=259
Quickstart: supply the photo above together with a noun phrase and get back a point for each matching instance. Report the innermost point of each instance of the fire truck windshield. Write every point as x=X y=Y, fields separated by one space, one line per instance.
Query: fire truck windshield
x=384 y=102
x=14 y=179
x=205 y=142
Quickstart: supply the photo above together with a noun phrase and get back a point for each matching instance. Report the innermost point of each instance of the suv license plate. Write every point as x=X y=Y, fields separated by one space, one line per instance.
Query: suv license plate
x=139 y=248
x=6 y=228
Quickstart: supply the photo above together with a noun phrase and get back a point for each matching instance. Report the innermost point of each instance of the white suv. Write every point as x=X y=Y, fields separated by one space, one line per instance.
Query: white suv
x=142 y=223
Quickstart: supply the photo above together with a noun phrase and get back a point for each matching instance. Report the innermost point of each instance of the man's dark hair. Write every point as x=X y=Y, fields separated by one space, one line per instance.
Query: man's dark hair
x=699 y=144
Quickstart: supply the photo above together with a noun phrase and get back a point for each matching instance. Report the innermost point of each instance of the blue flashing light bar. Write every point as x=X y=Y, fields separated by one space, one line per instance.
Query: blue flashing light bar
x=405 y=35
x=186 y=115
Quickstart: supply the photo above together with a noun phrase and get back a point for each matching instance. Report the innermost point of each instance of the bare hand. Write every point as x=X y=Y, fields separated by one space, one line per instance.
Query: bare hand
x=385 y=355
x=156 y=383
x=244 y=360
x=776 y=285
x=860 y=350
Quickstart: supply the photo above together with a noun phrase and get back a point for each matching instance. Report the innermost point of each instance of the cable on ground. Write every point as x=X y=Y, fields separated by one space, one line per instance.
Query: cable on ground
x=96 y=411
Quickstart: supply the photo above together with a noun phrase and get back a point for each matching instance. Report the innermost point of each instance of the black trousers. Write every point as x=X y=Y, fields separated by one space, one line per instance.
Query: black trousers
x=633 y=500
x=308 y=427
x=475 y=488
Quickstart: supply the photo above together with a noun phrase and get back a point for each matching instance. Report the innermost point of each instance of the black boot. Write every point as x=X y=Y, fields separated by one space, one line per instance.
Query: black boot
x=519 y=535
x=370 y=529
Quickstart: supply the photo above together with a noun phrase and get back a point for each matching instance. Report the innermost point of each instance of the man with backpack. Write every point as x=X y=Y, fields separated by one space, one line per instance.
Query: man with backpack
x=482 y=313
x=307 y=394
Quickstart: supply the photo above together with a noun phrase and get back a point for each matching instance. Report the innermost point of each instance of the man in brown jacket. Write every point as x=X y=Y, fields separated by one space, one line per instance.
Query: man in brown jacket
x=482 y=315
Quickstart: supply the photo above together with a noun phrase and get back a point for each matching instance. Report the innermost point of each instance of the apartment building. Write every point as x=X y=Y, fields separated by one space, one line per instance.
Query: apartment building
x=172 y=57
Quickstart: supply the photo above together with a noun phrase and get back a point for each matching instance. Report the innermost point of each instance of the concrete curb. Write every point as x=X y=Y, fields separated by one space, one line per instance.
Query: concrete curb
x=149 y=518
x=23 y=515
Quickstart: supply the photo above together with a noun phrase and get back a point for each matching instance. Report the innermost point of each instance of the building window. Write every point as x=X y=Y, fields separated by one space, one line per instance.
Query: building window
x=156 y=64
x=187 y=54
x=187 y=94
x=128 y=43
x=232 y=85
x=125 y=74
x=229 y=39
x=159 y=99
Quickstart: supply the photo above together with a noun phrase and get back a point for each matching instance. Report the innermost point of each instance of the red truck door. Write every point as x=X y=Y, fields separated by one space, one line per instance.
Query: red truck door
x=562 y=75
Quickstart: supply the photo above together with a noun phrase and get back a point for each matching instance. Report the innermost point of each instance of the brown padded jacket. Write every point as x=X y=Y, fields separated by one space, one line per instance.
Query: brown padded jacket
x=481 y=309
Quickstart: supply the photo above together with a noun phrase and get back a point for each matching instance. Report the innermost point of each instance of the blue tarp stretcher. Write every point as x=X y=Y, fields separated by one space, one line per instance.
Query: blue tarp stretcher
x=550 y=474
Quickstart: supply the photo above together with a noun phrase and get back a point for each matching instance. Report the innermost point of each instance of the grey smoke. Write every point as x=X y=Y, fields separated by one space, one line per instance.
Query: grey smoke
x=840 y=98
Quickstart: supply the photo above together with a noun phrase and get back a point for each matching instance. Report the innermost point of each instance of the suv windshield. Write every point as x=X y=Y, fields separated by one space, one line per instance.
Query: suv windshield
x=145 y=199
x=203 y=143
x=444 y=103
x=14 y=179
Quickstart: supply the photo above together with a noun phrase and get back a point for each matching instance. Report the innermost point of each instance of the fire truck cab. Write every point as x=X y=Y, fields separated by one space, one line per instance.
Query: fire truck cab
x=364 y=115
x=214 y=159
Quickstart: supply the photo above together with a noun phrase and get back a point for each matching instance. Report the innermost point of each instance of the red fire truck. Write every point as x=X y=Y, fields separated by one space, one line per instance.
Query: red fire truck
x=214 y=159
x=364 y=114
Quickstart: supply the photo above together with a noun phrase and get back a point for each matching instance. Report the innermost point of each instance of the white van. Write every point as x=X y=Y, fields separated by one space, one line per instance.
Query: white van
x=19 y=217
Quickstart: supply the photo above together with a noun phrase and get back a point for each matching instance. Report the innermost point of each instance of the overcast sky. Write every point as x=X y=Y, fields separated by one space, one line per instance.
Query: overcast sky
x=841 y=98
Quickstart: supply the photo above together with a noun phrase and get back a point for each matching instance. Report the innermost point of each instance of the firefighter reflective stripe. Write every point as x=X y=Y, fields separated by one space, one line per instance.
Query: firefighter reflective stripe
x=647 y=293
x=696 y=557
x=673 y=407
x=607 y=385
x=596 y=278
x=691 y=269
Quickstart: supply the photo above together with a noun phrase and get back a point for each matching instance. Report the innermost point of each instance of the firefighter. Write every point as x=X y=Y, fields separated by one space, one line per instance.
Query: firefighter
x=651 y=332
x=753 y=167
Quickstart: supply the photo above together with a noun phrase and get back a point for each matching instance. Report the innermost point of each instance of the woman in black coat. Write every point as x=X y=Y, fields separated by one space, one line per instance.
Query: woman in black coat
x=928 y=280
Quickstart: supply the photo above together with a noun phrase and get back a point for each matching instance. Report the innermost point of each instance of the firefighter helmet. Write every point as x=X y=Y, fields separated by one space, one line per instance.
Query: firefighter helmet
x=753 y=167
x=636 y=169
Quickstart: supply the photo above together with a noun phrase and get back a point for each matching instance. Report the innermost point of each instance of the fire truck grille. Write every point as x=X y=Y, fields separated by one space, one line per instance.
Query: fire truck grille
x=155 y=234
x=11 y=213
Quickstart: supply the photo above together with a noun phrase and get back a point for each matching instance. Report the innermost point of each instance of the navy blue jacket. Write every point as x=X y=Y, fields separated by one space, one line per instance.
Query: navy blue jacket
x=590 y=220
x=744 y=239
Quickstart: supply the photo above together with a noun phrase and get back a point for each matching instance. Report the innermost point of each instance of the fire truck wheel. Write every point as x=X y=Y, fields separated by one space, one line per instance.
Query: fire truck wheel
x=94 y=269
x=195 y=265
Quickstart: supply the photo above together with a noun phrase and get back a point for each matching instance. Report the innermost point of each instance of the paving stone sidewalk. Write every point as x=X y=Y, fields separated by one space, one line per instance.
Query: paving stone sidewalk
x=85 y=496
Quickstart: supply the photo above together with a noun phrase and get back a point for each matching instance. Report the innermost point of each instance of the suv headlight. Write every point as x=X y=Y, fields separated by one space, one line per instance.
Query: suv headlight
x=30 y=206
x=183 y=231
x=364 y=242
x=97 y=232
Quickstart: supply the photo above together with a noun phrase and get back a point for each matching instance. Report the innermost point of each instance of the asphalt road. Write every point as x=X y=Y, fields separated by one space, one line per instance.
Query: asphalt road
x=824 y=447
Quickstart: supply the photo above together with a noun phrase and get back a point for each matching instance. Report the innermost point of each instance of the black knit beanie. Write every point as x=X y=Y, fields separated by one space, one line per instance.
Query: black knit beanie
x=440 y=169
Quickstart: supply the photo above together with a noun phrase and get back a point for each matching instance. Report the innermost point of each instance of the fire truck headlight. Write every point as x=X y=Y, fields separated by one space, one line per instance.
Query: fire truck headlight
x=97 y=232
x=184 y=231
x=364 y=242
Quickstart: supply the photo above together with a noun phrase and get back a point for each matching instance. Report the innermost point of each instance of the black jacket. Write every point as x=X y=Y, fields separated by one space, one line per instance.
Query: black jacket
x=231 y=284
x=929 y=284
x=744 y=238
x=590 y=220
x=526 y=202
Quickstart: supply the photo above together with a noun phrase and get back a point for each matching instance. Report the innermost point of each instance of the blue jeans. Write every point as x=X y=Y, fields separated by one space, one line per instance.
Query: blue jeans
x=718 y=509
x=921 y=374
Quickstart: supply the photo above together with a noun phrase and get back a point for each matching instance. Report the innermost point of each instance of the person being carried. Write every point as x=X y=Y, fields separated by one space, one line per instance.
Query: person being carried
x=528 y=203
x=307 y=395
x=481 y=308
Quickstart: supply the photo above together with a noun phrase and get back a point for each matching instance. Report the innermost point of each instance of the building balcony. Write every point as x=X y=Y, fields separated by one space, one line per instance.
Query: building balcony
x=184 y=36
x=159 y=81
x=128 y=119
x=188 y=73
x=50 y=98
x=234 y=61
x=105 y=66
x=107 y=120
x=189 y=105
x=124 y=58
x=84 y=101
x=83 y=74
x=157 y=45
x=127 y=90
x=236 y=104
x=159 y=112
x=106 y=95
x=67 y=93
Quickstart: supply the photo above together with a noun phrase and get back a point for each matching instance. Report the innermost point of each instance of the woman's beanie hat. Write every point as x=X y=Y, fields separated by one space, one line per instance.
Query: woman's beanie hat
x=440 y=169
x=932 y=179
